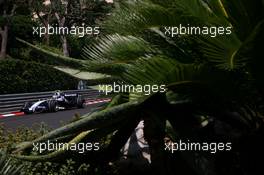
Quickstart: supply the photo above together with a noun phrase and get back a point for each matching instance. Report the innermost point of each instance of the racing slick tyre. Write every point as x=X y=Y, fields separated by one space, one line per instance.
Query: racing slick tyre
x=26 y=107
x=52 y=106
x=80 y=102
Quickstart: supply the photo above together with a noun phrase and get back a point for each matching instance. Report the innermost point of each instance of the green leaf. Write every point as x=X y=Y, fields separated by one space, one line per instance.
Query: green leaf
x=158 y=70
x=222 y=50
x=117 y=49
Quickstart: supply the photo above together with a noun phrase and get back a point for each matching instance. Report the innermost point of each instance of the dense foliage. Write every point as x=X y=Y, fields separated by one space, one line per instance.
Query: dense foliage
x=21 y=76
x=11 y=166
x=214 y=88
x=213 y=85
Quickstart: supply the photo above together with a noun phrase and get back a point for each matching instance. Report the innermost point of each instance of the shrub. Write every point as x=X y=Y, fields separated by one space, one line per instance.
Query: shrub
x=10 y=139
x=20 y=77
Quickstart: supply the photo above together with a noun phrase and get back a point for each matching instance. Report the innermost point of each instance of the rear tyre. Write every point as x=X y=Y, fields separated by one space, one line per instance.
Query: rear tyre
x=80 y=102
x=52 y=106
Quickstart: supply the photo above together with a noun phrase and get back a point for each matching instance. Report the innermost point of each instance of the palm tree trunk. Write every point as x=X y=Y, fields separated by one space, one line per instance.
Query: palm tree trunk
x=64 y=42
x=154 y=133
x=4 y=37
x=47 y=36
x=65 y=46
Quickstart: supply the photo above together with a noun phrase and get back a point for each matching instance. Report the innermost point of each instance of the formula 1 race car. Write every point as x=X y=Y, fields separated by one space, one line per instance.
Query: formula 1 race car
x=57 y=102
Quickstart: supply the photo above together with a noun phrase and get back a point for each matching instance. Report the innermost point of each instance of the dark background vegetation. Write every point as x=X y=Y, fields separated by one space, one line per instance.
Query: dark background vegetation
x=21 y=76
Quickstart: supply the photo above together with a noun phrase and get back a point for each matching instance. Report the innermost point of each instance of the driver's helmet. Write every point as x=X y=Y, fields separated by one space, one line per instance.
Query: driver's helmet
x=57 y=94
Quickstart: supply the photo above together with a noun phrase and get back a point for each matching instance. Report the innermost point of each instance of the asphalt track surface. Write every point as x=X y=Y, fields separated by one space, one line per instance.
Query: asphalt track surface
x=52 y=120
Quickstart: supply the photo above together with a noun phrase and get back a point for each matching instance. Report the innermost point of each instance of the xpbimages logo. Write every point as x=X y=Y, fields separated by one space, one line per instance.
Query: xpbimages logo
x=55 y=146
x=197 y=146
x=79 y=31
x=146 y=89
x=211 y=31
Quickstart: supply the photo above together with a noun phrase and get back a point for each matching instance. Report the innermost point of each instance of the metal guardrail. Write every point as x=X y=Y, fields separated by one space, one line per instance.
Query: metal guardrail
x=14 y=102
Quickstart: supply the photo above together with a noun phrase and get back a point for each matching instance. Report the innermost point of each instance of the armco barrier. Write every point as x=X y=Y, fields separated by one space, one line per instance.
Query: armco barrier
x=14 y=102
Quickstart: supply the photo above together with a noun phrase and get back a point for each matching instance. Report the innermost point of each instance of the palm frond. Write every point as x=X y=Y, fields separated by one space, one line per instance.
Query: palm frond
x=136 y=17
x=158 y=70
x=109 y=68
x=222 y=51
x=7 y=166
x=63 y=60
x=116 y=48
x=113 y=53
x=244 y=15
x=84 y=75
x=96 y=120
x=218 y=7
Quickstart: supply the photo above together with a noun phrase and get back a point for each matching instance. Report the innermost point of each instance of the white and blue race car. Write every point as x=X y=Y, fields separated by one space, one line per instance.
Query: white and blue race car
x=57 y=102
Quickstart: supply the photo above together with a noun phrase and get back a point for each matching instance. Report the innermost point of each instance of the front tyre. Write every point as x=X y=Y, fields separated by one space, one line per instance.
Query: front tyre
x=52 y=106
x=26 y=107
